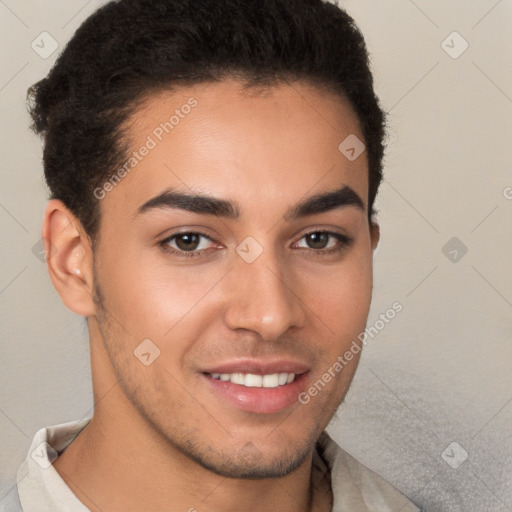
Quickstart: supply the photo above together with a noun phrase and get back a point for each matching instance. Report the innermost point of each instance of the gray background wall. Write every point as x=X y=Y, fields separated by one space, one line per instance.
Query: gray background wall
x=440 y=371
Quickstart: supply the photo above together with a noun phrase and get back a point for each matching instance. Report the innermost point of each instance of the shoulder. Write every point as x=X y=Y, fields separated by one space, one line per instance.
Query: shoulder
x=38 y=486
x=10 y=500
x=356 y=487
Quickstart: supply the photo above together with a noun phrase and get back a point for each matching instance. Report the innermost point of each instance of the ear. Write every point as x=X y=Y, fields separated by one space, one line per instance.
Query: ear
x=69 y=258
x=374 y=234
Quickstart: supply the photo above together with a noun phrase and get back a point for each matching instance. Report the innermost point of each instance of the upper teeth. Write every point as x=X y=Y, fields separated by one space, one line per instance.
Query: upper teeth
x=256 y=381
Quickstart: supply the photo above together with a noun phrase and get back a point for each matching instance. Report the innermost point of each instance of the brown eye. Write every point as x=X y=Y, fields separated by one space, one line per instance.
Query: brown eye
x=187 y=241
x=318 y=240
x=187 y=244
x=324 y=241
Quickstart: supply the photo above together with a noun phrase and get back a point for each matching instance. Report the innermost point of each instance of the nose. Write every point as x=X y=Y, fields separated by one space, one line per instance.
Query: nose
x=262 y=298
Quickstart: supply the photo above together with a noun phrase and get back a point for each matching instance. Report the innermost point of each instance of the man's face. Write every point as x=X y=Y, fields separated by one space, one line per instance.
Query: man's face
x=233 y=296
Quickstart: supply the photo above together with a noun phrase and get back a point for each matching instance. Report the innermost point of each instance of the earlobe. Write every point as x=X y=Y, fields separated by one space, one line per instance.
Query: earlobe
x=374 y=234
x=68 y=258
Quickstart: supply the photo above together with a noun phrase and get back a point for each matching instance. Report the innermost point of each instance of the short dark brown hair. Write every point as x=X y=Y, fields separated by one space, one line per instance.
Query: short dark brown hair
x=130 y=48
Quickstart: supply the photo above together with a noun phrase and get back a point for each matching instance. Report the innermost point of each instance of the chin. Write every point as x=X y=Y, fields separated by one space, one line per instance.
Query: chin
x=275 y=460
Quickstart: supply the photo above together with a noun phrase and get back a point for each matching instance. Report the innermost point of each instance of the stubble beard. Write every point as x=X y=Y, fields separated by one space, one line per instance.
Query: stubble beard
x=248 y=462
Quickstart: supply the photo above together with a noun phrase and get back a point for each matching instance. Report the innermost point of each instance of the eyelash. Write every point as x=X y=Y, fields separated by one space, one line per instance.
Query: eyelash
x=344 y=242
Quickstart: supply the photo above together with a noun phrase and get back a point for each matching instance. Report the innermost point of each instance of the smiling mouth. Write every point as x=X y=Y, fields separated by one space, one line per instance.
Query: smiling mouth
x=251 y=380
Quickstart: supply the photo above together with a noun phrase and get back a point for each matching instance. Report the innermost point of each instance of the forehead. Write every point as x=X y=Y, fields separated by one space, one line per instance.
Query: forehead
x=271 y=146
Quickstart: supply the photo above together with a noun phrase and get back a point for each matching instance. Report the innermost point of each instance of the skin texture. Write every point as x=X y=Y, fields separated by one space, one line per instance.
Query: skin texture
x=161 y=438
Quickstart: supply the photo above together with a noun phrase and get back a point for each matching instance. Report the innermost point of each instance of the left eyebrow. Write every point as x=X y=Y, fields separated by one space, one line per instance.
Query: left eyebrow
x=319 y=203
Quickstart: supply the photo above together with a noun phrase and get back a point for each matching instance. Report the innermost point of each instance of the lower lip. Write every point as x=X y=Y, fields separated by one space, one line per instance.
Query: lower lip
x=259 y=400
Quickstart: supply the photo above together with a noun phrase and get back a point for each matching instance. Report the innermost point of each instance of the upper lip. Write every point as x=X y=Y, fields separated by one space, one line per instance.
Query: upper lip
x=258 y=367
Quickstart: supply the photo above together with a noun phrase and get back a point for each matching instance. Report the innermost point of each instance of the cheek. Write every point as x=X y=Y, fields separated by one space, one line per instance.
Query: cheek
x=340 y=296
x=149 y=296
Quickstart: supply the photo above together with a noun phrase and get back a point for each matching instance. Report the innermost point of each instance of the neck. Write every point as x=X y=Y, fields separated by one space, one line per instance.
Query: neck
x=110 y=468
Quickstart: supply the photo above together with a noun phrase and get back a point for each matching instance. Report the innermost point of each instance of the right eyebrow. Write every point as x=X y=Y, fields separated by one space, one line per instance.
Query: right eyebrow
x=196 y=203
